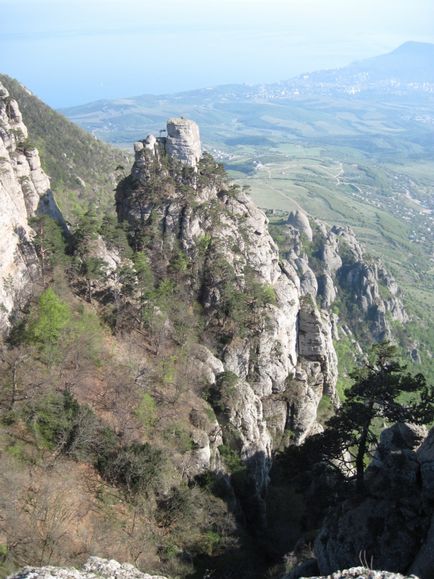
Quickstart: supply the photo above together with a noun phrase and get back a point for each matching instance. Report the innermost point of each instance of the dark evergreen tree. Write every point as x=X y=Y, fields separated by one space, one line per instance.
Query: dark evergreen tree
x=383 y=393
x=50 y=244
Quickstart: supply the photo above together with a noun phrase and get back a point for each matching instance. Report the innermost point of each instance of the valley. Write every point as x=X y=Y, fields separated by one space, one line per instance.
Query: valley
x=216 y=352
x=362 y=158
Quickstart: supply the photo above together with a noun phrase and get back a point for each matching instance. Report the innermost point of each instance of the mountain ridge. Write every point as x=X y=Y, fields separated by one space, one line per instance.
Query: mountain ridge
x=410 y=49
x=81 y=169
x=354 y=157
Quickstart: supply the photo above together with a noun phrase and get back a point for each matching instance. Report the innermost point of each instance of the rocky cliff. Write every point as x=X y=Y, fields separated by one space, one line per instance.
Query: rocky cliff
x=24 y=191
x=273 y=343
x=393 y=524
x=338 y=274
x=183 y=141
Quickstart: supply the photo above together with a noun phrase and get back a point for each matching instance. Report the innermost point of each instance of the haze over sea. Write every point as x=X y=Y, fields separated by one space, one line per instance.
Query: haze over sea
x=73 y=51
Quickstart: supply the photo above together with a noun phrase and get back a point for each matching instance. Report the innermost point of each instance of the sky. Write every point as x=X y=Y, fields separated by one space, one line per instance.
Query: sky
x=69 y=52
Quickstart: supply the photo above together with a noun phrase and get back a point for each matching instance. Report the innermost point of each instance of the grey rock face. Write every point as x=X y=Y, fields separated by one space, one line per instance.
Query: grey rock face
x=18 y=260
x=270 y=358
x=337 y=264
x=388 y=532
x=330 y=254
x=363 y=573
x=183 y=141
x=24 y=191
x=423 y=565
x=326 y=290
x=374 y=289
x=393 y=525
x=300 y=221
x=94 y=568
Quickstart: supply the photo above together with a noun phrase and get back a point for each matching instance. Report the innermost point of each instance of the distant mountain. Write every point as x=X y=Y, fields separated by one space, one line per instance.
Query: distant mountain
x=410 y=64
x=406 y=72
x=80 y=167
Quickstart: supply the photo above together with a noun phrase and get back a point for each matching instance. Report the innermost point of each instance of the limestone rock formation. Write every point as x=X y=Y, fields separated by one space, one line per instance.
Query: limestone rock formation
x=183 y=141
x=24 y=191
x=283 y=346
x=97 y=568
x=363 y=573
x=393 y=524
x=335 y=265
x=94 y=568
x=300 y=221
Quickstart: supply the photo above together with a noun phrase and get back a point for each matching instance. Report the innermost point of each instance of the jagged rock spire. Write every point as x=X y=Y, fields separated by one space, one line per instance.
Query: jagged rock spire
x=182 y=142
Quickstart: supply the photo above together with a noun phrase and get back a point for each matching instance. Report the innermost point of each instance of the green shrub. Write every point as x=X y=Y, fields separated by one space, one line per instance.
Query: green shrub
x=203 y=243
x=135 y=467
x=146 y=411
x=60 y=423
x=175 y=508
x=224 y=392
x=179 y=262
x=231 y=459
x=179 y=435
x=53 y=417
x=145 y=276
x=49 y=241
x=115 y=234
x=325 y=409
x=50 y=318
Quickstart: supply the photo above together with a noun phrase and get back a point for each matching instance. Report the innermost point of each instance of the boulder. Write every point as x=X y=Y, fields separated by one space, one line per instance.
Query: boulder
x=94 y=568
x=363 y=573
x=300 y=221
x=392 y=525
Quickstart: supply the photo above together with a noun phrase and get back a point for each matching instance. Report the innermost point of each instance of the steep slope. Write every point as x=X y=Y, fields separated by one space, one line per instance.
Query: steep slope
x=24 y=191
x=275 y=345
x=337 y=273
x=267 y=319
x=161 y=369
x=395 y=519
x=81 y=168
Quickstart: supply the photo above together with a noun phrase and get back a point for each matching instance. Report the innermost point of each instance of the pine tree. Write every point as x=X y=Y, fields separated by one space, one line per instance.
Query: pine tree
x=383 y=392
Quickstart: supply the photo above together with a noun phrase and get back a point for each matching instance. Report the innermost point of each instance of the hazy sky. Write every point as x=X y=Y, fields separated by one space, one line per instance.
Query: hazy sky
x=73 y=51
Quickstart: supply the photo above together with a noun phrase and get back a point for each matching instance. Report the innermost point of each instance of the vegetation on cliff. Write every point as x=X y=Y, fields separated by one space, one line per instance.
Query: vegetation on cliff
x=161 y=360
x=81 y=168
